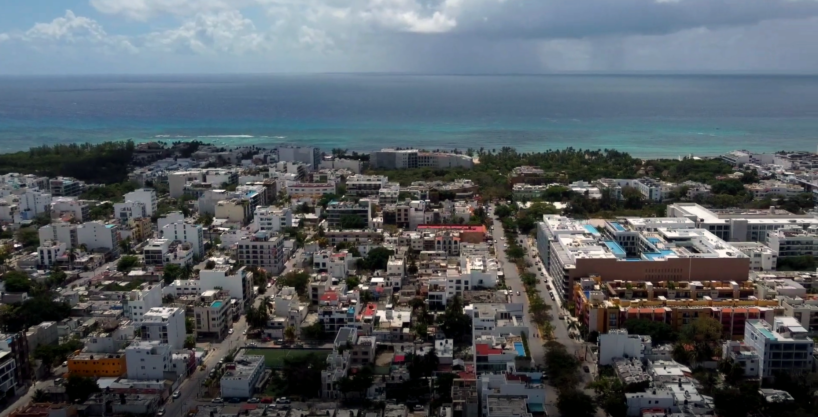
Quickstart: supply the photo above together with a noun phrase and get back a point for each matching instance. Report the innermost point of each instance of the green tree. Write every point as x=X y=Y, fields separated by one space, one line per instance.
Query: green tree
x=659 y=332
x=16 y=281
x=28 y=237
x=126 y=263
x=702 y=330
x=454 y=322
x=351 y=221
x=190 y=342
x=171 y=273
x=376 y=259
x=295 y=279
x=314 y=331
x=572 y=402
x=39 y=396
x=352 y=282
x=290 y=334
x=79 y=389
x=358 y=383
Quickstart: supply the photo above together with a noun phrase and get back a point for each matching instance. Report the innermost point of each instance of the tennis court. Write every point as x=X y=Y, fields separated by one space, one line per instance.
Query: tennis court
x=274 y=358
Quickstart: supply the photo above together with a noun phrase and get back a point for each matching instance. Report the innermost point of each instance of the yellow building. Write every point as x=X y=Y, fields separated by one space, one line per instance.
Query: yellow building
x=97 y=364
x=142 y=228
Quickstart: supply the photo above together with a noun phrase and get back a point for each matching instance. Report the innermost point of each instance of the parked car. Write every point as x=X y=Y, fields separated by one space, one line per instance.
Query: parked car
x=282 y=400
x=160 y=412
x=176 y=394
x=253 y=400
x=267 y=400
x=217 y=401
x=230 y=331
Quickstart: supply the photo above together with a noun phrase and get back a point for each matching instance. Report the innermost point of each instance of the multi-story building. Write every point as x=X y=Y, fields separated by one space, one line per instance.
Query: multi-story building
x=272 y=219
x=762 y=258
x=527 y=175
x=129 y=210
x=240 y=376
x=782 y=347
x=137 y=302
x=212 y=317
x=308 y=155
x=147 y=197
x=770 y=188
x=412 y=158
x=154 y=252
x=65 y=187
x=336 y=265
x=8 y=368
x=50 y=252
x=389 y=194
x=308 y=191
x=496 y=319
x=185 y=232
x=336 y=211
x=466 y=233
x=571 y=250
x=337 y=363
x=263 y=250
x=234 y=282
x=524 y=192
x=358 y=237
x=17 y=345
x=651 y=189
x=99 y=365
x=70 y=207
x=99 y=236
x=794 y=241
x=165 y=325
x=805 y=311
x=59 y=232
x=740 y=225
x=603 y=315
x=365 y=185
x=210 y=178
x=148 y=360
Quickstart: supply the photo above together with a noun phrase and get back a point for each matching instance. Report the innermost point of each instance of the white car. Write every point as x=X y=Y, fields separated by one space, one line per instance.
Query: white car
x=230 y=331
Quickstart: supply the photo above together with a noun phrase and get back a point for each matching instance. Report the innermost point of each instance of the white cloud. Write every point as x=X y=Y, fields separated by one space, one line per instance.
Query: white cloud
x=4 y=37
x=315 y=39
x=71 y=29
x=223 y=32
x=145 y=9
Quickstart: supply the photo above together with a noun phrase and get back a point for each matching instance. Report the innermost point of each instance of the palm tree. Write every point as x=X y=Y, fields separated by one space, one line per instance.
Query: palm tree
x=289 y=334
x=39 y=396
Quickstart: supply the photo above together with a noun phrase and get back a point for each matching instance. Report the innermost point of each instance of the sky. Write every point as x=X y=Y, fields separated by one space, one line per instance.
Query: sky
x=407 y=36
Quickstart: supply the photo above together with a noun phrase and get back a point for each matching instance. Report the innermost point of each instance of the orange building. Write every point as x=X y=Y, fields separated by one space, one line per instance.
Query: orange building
x=601 y=314
x=468 y=234
x=97 y=365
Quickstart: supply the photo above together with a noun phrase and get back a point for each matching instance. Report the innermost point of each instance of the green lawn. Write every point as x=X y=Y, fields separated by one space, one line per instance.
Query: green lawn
x=274 y=358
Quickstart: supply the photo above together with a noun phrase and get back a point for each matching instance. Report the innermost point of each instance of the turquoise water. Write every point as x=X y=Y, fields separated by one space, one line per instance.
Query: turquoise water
x=217 y=304
x=644 y=115
x=518 y=346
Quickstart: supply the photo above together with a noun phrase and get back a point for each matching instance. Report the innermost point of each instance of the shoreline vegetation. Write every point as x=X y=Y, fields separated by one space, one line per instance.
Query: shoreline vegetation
x=109 y=163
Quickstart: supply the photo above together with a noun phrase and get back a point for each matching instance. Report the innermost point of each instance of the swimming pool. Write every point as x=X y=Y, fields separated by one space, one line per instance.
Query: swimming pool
x=216 y=304
x=518 y=346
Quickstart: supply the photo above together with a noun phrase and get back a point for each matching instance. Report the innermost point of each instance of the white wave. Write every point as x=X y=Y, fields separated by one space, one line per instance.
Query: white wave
x=227 y=136
x=162 y=136
x=279 y=137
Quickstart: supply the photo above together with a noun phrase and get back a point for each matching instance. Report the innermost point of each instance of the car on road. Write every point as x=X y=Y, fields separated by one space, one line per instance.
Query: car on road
x=160 y=412
x=518 y=293
x=176 y=394
x=230 y=331
x=267 y=400
x=282 y=400
x=217 y=400
x=253 y=400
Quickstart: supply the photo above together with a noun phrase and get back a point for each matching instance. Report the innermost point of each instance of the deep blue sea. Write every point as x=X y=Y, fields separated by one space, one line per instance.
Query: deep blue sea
x=647 y=115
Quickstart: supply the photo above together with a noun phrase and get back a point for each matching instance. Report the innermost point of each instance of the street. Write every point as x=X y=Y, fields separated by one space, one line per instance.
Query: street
x=561 y=334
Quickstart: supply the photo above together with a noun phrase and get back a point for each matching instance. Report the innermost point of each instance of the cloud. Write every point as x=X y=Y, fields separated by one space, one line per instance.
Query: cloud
x=223 y=32
x=71 y=29
x=4 y=37
x=145 y=9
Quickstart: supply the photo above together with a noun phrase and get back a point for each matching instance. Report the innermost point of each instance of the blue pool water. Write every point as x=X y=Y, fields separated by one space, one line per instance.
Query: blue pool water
x=518 y=346
x=216 y=304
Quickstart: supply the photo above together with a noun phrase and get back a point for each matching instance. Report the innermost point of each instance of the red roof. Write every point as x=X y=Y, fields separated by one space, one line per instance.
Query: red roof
x=370 y=310
x=484 y=349
x=329 y=296
x=399 y=358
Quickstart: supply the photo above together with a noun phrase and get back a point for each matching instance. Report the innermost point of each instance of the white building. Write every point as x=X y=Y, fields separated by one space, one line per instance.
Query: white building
x=129 y=210
x=794 y=241
x=237 y=283
x=165 y=325
x=61 y=206
x=772 y=188
x=762 y=258
x=181 y=288
x=308 y=155
x=263 y=251
x=497 y=319
x=337 y=362
x=185 y=232
x=49 y=252
x=98 y=235
x=508 y=386
x=412 y=158
x=618 y=343
x=34 y=202
x=154 y=252
x=240 y=376
x=309 y=192
x=146 y=196
x=137 y=302
x=783 y=347
x=522 y=191
x=59 y=232
x=739 y=225
x=365 y=185
x=272 y=219
x=148 y=360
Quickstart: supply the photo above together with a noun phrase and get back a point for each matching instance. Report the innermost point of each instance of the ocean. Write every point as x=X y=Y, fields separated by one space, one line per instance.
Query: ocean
x=646 y=115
